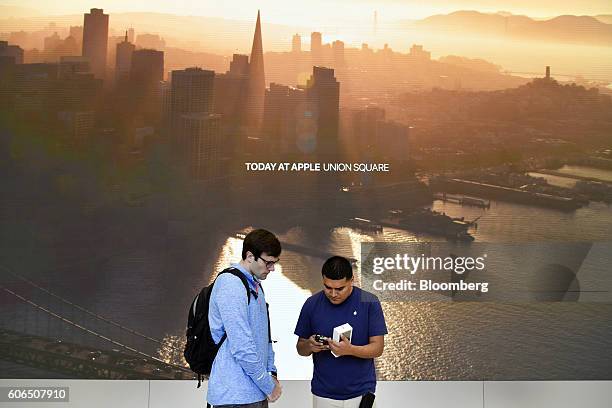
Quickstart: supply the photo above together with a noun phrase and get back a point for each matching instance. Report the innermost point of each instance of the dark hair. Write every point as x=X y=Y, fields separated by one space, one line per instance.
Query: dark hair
x=259 y=241
x=337 y=268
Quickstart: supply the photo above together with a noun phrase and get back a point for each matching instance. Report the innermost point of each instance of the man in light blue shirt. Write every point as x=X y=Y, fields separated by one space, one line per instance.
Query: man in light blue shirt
x=243 y=373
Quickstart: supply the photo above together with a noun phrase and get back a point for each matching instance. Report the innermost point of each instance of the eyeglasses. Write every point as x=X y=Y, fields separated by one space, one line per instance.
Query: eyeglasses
x=269 y=263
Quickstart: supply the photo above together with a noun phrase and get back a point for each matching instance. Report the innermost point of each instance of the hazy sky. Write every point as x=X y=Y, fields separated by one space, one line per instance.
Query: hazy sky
x=313 y=12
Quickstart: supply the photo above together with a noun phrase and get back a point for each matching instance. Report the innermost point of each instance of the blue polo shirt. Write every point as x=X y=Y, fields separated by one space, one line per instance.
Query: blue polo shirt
x=344 y=377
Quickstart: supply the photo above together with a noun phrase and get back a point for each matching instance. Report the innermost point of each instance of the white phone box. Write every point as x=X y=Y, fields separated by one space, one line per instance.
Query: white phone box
x=345 y=330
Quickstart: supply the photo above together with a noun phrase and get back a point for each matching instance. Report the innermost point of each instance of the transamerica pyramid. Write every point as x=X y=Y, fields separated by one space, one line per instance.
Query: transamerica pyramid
x=257 y=81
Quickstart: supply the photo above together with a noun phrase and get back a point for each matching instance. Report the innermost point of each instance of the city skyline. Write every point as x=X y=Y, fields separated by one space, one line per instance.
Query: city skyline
x=132 y=164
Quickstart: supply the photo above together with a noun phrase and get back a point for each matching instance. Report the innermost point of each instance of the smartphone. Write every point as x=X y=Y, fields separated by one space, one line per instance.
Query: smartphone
x=321 y=339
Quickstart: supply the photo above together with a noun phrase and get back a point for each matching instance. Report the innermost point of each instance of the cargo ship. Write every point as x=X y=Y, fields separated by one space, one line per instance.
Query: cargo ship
x=432 y=222
x=365 y=225
x=517 y=195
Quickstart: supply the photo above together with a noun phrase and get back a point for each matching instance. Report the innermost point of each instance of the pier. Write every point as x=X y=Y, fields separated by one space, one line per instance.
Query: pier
x=571 y=176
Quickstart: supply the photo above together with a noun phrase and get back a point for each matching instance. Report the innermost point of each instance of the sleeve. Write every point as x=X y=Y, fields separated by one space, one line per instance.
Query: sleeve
x=271 y=365
x=376 y=320
x=234 y=314
x=303 y=327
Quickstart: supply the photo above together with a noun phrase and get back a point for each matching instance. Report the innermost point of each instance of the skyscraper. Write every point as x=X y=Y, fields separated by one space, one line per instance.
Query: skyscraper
x=13 y=52
x=239 y=65
x=296 y=44
x=52 y=42
x=146 y=74
x=323 y=97
x=76 y=32
x=201 y=141
x=71 y=65
x=315 y=43
x=77 y=125
x=147 y=66
x=338 y=50
x=230 y=94
x=257 y=81
x=192 y=92
x=285 y=120
x=123 y=60
x=131 y=35
x=95 y=40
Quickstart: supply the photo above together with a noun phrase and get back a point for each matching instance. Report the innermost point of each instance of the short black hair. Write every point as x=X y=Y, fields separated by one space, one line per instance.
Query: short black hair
x=259 y=241
x=336 y=268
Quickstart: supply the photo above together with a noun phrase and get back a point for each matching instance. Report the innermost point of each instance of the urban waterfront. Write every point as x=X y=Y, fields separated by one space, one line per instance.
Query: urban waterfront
x=124 y=170
x=145 y=288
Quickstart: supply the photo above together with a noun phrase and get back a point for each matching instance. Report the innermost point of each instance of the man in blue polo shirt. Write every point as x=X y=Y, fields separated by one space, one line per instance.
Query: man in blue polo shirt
x=341 y=381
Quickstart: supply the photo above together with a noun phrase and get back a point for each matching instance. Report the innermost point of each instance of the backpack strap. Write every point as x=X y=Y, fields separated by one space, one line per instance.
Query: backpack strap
x=243 y=279
x=269 y=331
x=250 y=292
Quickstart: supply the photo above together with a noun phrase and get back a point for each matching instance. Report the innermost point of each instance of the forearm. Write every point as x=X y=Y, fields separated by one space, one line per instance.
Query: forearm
x=371 y=350
x=303 y=348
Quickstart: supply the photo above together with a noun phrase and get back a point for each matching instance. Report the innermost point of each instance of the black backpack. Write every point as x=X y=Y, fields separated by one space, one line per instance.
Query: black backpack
x=201 y=349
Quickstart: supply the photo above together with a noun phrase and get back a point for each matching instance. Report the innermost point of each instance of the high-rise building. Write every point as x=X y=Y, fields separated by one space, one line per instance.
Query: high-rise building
x=77 y=91
x=201 y=141
x=70 y=46
x=257 y=81
x=95 y=40
x=166 y=103
x=147 y=66
x=323 y=98
x=393 y=140
x=77 y=125
x=239 y=65
x=191 y=92
x=285 y=120
x=71 y=65
x=364 y=128
x=377 y=138
x=230 y=93
x=146 y=73
x=34 y=86
x=76 y=32
x=123 y=60
x=315 y=43
x=296 y=44
x=131 y=35
x=52 y=42
x=11 y=51
x=417 y=53
x=153 y=41
x=338 y=51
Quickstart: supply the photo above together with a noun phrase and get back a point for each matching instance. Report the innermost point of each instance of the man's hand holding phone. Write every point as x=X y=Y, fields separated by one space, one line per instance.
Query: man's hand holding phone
x=318 y=343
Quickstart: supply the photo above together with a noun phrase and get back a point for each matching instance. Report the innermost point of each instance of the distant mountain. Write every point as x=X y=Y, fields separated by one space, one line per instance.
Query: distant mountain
x=605 y=18
x=567 y=29
x=476 y=64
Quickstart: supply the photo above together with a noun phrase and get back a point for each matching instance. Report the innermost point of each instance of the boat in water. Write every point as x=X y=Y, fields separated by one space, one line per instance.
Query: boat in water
x=365 y=225
x=432 y=222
